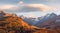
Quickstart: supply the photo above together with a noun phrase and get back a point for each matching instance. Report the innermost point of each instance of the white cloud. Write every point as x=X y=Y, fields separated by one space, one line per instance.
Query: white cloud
x=35 y=7
x=41 y=7
x=29 y=8
x=6 y=6
x=21 y=2
x=22 y=7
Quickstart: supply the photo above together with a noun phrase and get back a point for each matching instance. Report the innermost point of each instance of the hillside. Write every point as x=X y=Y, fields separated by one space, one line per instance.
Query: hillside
x=11 y=23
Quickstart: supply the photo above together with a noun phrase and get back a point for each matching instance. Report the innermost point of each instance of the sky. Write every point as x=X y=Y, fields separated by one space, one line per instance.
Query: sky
x=30 y=8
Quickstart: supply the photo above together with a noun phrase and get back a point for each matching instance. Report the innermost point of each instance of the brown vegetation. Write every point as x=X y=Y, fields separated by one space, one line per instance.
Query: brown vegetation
x=13 y=24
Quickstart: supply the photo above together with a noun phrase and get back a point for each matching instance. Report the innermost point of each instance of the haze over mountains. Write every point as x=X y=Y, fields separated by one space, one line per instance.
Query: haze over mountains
x=50 y=20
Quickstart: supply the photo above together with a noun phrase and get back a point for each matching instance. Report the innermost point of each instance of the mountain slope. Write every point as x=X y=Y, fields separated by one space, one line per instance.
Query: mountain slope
x=46 y=20
x=10 y=23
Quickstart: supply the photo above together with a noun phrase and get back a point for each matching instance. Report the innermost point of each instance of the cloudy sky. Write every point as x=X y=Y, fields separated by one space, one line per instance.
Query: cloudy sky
x=30 y=8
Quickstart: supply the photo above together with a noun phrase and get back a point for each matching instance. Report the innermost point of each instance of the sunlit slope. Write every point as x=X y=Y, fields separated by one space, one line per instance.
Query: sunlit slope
x=11 y=23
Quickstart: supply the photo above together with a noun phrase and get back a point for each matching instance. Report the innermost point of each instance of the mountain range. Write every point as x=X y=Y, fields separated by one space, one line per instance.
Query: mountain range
x=48 y=21
x=11 y=23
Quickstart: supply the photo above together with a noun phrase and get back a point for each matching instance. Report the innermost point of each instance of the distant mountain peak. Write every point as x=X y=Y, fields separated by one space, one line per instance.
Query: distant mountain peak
x=52 y=14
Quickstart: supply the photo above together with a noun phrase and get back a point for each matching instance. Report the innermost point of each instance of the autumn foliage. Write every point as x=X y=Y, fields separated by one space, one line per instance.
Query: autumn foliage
x=10 y=23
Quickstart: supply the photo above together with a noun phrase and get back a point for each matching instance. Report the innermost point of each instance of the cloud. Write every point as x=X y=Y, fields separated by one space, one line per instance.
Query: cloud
x=21 y=2
x=34 y=7
x=22 y=7
x=31 y=16
x=28 y=8
x=6 y=6
x=38 y=7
